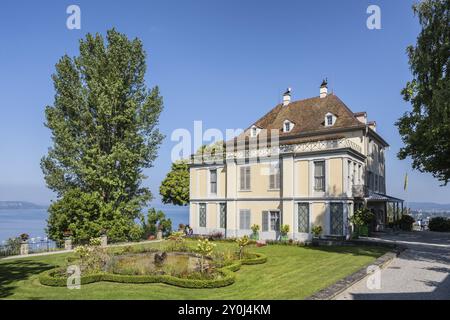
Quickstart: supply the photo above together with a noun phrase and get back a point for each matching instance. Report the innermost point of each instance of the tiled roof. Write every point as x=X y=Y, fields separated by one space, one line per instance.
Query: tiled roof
x=375 y=196
x=308 y=116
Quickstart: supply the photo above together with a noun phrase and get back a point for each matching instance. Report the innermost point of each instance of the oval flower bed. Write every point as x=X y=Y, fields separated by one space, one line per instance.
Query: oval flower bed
x=225 y=276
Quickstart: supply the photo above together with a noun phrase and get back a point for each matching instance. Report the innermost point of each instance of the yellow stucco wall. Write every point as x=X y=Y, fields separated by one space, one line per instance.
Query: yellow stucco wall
x=318 y=214
x=259 y=182
x=302 y=178
x=202 y=183
x=288 y=175
x=211 y=215
x=288 y=214
x=193 y=183
x=193 y=222
x=231 y=213
x=335 y=181
x=256 y=208
x=222 y=182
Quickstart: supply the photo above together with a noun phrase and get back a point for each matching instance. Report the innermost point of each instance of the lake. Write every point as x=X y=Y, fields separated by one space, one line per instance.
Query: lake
x=33 y=221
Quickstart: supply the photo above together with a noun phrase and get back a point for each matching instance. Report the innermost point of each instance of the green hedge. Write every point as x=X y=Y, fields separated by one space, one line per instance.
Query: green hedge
x=226 y=278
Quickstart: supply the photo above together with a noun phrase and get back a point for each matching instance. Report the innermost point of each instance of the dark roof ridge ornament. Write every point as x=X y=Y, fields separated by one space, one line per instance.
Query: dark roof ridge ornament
x=287 y=97
x=324 y=88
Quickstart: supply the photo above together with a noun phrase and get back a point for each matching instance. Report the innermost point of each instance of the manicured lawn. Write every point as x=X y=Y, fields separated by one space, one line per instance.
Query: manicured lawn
x=290 y=273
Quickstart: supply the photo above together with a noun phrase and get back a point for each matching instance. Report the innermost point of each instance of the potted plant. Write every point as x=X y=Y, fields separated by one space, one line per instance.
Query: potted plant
x=361 y=219
x=284 y=230
x=316 y=231
x=255 y=232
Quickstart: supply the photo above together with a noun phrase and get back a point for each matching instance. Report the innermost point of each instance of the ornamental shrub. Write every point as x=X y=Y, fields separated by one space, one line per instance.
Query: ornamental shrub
x=439 y=224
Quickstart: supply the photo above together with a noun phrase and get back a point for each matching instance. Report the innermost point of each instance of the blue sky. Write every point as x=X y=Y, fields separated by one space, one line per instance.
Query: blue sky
x=223 y=62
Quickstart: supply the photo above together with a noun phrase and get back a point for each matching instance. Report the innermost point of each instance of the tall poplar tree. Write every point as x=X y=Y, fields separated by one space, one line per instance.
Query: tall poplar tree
x=104 y=130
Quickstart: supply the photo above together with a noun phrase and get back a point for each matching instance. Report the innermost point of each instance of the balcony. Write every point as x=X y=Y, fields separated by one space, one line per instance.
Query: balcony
x=275 y=151
x=360 y=191
x=321 y=145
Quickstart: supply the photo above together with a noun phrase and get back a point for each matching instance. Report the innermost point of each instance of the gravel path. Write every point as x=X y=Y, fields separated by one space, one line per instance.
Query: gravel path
x=420 y=272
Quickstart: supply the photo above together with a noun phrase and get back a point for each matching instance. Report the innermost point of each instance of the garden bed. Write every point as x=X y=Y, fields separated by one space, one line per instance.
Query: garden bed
x=225 y=276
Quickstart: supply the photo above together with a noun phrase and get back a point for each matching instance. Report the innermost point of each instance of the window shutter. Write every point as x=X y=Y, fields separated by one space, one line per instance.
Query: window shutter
x=242 y=178
x=247 y=178
x=265 y=221
x=278 y=178
x=271 y=181
x=247 y=220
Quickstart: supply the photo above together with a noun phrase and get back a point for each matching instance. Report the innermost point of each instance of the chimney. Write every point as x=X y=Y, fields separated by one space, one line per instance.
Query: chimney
x=287 y=97
x=361 y=116
x=372 y=125
x=324 y=89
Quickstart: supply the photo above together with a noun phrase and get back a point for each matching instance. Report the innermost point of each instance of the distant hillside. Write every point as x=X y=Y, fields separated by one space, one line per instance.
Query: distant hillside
x=13 y=205
x=429 y=206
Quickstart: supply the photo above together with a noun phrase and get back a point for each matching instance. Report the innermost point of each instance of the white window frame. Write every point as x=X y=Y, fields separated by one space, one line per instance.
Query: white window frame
x=249 y=186
x=297 y=206
x=247 y=212
x=206 y=214
x=324 y=176
x=269 y=224
x=254 y=131
x=272 y=167
x=291 y=126
x=210 y=181
x=333 y=119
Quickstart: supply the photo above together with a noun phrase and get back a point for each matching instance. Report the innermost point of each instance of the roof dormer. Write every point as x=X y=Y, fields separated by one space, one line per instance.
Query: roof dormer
x=330 y=119
x=287 y=126
x=254 y=131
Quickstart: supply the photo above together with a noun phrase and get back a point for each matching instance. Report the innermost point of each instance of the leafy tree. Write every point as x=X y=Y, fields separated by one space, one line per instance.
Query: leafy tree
x=362 y=217
x=174 y=188
x=156 y=220
x=104 y=130
x=426 y=129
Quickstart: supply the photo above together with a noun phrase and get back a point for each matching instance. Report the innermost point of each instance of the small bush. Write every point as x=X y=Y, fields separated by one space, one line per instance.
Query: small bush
x=439 y=224
x=406 y=222
x=317 y=230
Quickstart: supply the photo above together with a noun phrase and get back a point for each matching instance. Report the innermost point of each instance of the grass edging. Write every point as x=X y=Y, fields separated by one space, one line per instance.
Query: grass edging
x=227 y=276
x=335 y=289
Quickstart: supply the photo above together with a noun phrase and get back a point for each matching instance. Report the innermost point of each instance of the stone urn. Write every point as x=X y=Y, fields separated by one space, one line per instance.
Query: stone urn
x=24 y=248
x=67 y=244
x=103 y=240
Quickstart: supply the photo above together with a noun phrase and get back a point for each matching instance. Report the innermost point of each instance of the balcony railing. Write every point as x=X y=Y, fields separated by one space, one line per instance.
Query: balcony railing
x=276 y=151
x=321 y=145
